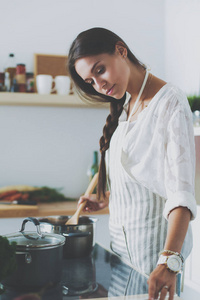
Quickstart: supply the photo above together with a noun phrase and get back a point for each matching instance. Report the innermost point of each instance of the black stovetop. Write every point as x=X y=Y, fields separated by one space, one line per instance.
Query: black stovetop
x=98 y=275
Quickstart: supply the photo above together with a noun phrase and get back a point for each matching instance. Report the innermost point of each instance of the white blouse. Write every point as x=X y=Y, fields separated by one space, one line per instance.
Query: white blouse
x=159 y=150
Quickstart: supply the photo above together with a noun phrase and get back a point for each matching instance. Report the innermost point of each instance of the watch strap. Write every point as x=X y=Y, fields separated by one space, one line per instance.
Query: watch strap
x=172 y=252
x=163 y=260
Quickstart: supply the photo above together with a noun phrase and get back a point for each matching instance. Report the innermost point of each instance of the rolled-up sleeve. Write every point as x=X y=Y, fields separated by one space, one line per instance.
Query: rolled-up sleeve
x=180 y=162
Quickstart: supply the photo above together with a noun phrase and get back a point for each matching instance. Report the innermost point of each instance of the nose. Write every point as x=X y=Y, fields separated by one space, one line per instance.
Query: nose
x=100 y=84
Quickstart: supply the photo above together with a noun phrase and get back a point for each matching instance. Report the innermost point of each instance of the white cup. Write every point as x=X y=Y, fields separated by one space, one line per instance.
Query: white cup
x=44 y=83
x=62 y=85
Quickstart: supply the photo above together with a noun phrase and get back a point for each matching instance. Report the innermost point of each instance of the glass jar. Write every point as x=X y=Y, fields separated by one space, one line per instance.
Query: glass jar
x=21 y=77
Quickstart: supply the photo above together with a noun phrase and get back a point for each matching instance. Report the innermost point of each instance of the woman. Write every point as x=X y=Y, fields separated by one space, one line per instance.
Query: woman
x=148 y=146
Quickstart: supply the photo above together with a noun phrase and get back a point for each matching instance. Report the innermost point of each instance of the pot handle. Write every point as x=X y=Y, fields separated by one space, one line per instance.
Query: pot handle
x=28 y=258
x=76 y=234
x=35 y=222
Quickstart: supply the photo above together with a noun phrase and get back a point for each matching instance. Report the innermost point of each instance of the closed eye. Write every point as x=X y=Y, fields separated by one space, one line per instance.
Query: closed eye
x=89 y=81
x=100 y=70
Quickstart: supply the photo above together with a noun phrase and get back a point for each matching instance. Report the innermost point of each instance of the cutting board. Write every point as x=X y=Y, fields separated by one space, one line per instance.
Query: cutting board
x=13 y=210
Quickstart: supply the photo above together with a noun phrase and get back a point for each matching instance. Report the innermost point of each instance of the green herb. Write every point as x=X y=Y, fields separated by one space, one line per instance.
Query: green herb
x=46 y=194
x=7 y=258
x=194 y=102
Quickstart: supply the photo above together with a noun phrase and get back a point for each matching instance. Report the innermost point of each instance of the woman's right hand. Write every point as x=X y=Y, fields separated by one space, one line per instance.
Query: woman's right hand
x=92 y=203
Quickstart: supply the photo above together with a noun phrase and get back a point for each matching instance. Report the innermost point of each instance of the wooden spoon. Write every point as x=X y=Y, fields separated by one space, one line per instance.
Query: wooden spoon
x=74 y=219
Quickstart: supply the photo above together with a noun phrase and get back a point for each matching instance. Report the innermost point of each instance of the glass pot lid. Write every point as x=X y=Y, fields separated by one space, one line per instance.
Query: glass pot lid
x=31 y=240
x=35 y=240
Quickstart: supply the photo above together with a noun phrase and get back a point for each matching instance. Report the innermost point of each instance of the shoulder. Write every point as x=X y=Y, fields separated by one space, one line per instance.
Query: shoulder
x=172 y=100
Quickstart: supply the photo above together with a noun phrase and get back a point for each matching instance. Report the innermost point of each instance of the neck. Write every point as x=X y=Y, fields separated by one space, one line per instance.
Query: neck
x=137 y=74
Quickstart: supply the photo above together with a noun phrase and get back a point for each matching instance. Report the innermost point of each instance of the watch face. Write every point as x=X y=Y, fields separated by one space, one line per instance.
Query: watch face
x=174 y=263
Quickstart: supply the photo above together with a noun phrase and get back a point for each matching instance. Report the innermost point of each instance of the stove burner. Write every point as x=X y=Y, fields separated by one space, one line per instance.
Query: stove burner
x=70 y=292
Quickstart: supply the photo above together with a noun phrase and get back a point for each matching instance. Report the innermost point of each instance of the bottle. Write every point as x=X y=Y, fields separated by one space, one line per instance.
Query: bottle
x=21 y=77
x=30 y=82
x=7 y=81
x=94 y=167
x=14 y=88
x=10 y=67
x=2 y=81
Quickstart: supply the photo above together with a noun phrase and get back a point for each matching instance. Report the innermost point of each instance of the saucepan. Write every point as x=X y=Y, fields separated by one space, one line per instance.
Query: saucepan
x=39 y=258
x=80 y=238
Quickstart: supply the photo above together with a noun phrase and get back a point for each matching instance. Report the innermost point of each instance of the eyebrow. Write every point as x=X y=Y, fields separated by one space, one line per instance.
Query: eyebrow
x=92 y=70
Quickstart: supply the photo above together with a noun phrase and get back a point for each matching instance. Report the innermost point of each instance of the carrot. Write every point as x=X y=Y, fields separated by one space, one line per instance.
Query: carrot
x=25 y=196
x=16 y=196
x=9 y=193
x=6 y=198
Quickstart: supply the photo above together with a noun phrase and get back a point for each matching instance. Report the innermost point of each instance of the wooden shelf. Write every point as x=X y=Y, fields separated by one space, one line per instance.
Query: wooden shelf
x=34 y=99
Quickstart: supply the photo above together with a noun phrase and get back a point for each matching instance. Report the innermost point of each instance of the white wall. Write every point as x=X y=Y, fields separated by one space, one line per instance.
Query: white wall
x=49 y=26
x=53 y=146
x=49 y=146
x=182 y=45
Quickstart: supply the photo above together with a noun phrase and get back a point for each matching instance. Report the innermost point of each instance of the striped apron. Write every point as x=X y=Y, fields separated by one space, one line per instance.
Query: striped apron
x=137 y=227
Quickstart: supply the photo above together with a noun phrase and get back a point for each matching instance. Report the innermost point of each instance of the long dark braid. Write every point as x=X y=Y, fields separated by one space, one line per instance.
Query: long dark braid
x=116 y=108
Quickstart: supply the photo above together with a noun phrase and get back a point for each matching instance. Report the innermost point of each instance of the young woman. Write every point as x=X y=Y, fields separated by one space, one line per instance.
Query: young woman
x=147 y=157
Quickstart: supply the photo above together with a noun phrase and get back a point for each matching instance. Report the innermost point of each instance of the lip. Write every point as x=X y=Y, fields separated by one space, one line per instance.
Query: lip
x=110 y=91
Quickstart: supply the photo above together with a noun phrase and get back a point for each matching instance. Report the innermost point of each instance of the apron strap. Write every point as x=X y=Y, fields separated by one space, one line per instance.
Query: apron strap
x=139 y=95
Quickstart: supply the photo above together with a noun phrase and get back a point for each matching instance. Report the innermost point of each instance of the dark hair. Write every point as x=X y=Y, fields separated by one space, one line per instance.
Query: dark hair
x=89 y=43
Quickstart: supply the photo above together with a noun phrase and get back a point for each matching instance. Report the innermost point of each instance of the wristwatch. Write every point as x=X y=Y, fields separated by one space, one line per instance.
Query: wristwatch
x=173 y=262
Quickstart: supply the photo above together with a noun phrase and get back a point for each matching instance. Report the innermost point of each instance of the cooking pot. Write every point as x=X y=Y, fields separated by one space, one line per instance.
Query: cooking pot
x=39 y=258
x=80 y=238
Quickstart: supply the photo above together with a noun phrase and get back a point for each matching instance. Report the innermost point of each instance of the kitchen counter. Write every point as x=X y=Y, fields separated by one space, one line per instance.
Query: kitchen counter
x=111 y=278
x=101 y=275
x=42 y=209
x=133 y=297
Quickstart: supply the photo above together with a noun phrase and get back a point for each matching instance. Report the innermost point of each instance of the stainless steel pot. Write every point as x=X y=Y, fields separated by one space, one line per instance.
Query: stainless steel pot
x=39 y=258
x=80 y=238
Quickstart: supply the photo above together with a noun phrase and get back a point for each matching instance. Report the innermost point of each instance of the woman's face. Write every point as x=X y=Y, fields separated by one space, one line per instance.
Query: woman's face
x=108 y=74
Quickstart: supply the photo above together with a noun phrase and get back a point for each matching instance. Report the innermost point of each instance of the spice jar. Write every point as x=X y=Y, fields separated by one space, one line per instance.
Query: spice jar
x=30 y=82
x=21 y=77
x=1 y=81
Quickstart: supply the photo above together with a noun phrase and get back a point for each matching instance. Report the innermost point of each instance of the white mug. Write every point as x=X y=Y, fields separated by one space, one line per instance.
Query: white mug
x=62 y=85
x=44 y=83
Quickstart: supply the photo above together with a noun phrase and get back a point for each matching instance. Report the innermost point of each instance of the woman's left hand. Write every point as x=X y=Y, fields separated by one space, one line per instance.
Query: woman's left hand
x=161 y=281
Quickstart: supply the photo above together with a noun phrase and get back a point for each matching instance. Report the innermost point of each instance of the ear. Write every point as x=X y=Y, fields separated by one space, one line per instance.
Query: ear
x=121 y=49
